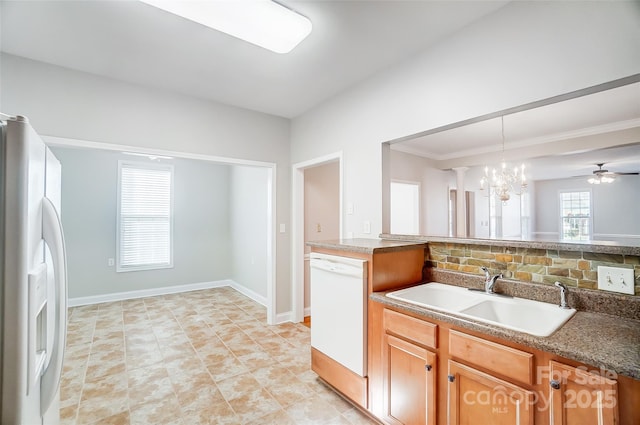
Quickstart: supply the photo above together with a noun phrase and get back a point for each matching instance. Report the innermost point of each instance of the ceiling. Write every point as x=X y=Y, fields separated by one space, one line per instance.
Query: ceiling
x=551 y=139
x=137 y=43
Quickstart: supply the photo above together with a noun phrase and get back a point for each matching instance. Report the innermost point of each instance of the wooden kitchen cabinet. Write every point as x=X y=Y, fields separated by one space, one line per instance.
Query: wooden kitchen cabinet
x=579 y=397
x=409 y=369
x=476 y=397
x=410 y=374
x=477 y=379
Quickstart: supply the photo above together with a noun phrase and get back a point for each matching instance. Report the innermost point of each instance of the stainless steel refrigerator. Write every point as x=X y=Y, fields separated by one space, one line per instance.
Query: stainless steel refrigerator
x=33 y=296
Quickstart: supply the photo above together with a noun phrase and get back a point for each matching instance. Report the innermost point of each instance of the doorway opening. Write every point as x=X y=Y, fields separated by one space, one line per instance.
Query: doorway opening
x=405 y=207
x=317 y=215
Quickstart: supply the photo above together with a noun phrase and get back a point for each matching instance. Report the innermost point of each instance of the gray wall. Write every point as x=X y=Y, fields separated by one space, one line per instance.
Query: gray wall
x=615 y=205
x=70 y=104
x=248 y=221
x=89 y=209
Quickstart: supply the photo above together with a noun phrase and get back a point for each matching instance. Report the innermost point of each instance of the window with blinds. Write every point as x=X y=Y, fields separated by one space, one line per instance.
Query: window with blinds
x=145 y=216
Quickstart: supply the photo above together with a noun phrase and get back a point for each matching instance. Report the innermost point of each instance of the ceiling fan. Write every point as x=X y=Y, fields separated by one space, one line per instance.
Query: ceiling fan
x=605 y=176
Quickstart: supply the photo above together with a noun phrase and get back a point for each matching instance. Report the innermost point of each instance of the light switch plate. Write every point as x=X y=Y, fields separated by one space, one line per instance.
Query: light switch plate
x=616 y=279
x=366 y=227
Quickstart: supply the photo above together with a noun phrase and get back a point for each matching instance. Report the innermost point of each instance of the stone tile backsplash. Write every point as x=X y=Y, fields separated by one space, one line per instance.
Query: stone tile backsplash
x=573 y=268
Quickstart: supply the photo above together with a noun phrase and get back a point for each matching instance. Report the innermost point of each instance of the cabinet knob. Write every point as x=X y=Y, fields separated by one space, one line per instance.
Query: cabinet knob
x=428 y=367
x=451 y=378
x=554 y=384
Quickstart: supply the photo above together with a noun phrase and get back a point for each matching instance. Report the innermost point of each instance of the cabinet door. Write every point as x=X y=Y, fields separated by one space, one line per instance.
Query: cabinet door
x=479 y=398
x=409 y=383
x=582 y=398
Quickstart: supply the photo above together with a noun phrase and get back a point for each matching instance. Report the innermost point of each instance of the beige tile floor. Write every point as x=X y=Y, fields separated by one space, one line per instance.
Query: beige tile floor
x=203 y=357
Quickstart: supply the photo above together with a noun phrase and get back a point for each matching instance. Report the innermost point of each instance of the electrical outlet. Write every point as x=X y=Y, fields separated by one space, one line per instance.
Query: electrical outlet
x=318 y=228
x=616 y=279
x=111 y=262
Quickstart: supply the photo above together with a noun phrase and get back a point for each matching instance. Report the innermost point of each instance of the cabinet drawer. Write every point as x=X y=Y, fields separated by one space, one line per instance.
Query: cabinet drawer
x=506 y=361
x=416 y=330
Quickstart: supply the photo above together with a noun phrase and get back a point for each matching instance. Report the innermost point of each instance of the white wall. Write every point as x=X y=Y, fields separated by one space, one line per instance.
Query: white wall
x=524 y=52
x=434 y=189
x=248 y=224
x=89 y=204
x=64 y=103
x=615 y=206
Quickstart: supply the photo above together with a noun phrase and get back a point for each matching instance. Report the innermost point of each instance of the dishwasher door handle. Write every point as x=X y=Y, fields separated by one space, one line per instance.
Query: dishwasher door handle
x=339 y=268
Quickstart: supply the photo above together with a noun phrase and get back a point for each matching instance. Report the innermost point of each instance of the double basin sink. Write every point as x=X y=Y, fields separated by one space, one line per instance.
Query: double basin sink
x=518 y=314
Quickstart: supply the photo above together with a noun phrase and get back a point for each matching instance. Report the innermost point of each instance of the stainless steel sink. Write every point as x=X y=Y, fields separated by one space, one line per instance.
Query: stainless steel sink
x=519 y=314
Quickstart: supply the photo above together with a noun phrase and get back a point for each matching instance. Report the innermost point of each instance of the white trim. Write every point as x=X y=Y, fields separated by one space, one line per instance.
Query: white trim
x=65 y=142
x=271 y=186
x=283 y=317
x=615 y=235
x=560 y=217
x=270 y=302
x=143 y=293
x=307 y=311
x=297 y=228
x=248 y=293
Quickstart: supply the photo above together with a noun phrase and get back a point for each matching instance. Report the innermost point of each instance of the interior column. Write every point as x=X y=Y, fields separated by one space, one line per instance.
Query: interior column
x=461 y=210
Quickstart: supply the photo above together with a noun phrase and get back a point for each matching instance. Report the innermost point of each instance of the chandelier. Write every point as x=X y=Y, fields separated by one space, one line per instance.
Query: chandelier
x=505 y=180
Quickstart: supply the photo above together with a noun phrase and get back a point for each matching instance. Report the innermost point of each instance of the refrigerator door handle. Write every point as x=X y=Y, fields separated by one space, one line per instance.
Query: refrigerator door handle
x=53 y=237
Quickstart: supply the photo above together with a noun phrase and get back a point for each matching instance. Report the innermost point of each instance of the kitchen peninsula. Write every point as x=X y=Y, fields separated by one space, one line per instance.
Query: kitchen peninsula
x=423 y=363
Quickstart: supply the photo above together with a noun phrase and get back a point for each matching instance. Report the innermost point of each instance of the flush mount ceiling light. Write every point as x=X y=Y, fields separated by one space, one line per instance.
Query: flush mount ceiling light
x=261 y=22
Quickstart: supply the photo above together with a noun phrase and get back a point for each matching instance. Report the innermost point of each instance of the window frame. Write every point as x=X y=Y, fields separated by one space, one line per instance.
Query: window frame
x=143 y=165
x=561 y=216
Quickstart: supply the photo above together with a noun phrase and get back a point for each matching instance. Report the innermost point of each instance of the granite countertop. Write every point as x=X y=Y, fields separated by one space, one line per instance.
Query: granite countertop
x=629 y=247
x=366 y=246
x=609 y=342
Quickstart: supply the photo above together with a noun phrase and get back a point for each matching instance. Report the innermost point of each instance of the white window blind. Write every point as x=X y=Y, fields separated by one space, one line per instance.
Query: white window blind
x=145 y=216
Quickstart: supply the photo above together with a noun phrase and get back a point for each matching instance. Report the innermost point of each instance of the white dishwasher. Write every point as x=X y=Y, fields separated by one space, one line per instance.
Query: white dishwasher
x=339 y=309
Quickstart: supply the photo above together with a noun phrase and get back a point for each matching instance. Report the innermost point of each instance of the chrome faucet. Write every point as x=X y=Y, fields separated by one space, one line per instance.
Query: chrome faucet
x=490 y=282
x=563 y=295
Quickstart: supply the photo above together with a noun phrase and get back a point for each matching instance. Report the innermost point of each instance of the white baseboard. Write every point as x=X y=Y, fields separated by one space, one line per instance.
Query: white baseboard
x=142 y=293
x=283 y=317
x=249 y=293
x=287 y=317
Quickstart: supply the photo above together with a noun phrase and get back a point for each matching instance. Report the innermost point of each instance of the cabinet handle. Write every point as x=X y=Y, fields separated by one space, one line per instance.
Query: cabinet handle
x=428 y=367
x=451 y=378
x=554 y=384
